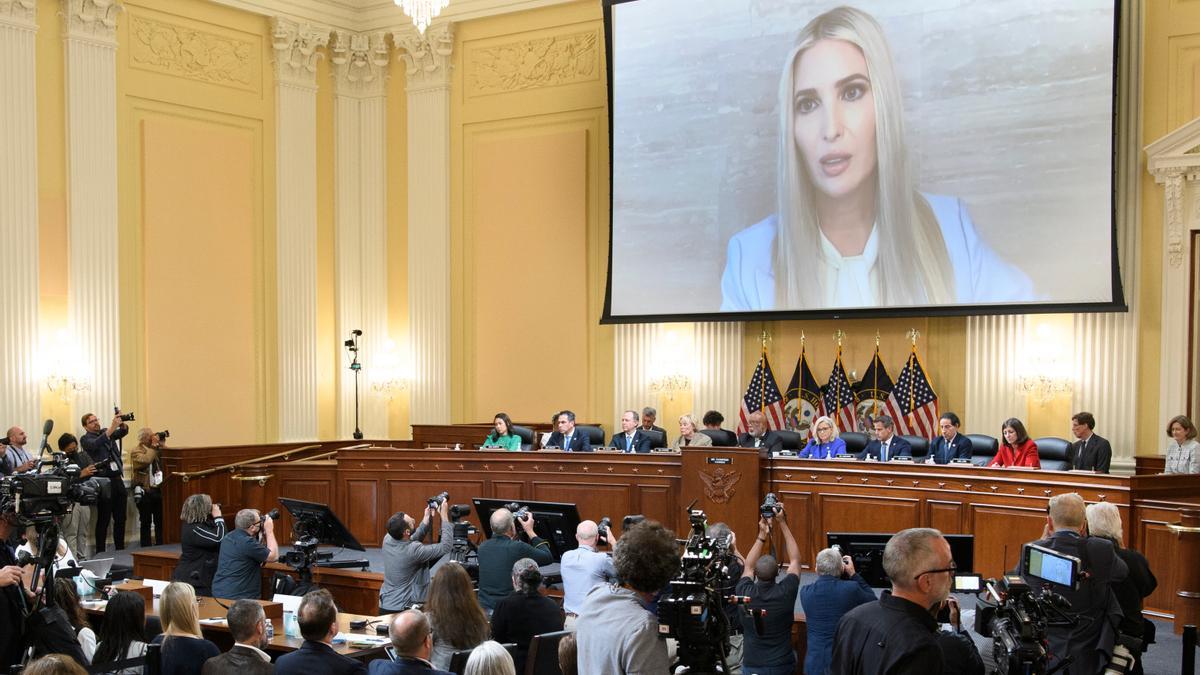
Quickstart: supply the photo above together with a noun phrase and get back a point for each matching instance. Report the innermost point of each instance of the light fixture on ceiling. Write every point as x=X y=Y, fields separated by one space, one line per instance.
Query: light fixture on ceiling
x=423 y=12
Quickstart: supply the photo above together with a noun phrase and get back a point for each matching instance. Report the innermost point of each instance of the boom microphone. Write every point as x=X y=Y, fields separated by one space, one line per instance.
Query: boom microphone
x=47 y=427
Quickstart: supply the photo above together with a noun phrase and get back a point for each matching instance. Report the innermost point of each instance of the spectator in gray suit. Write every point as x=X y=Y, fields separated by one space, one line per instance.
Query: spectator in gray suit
x=407 y=561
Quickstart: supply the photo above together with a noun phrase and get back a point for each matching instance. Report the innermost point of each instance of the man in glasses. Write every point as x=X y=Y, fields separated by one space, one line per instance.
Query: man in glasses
x=899 y=634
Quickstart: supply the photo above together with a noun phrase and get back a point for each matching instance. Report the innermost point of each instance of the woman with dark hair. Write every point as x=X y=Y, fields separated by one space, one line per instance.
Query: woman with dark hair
x=1016 y=448
x=203 y=529
x=503 y=436
x=1183 y=453
x=526 y=612
x=454 y=612
x=66 y=598
x=121 y=636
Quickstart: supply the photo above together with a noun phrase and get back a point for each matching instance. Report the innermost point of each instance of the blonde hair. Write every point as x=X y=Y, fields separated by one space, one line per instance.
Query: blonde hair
x=832 y=427
x=1067 y=510
x=689 y=419
x=913 y=263
x=1104 y=520
x=177 y=609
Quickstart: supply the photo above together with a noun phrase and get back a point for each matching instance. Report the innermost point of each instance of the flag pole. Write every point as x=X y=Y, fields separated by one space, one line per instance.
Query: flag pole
x=762 y=362
x=913 y=334
x=838 y=335
x=875 y=378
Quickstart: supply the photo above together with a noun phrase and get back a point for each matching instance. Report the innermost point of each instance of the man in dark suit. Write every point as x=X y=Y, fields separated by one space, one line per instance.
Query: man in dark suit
x=951 y=444
x=886 y=444
x=631 y=438
x=1090 y=452
x=412 y=638
x=566 y=438
x=649 y=415
x=759 y=436
x=248 y=625
x=1090 y=640
x=317 y=616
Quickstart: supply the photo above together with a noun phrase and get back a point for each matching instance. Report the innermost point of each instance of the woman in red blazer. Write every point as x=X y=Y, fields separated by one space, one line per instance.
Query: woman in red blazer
x=1016 y=449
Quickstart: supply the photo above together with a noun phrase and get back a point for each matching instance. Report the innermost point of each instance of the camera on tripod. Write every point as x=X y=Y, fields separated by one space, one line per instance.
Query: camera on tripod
x=125 y=417
x=49 y=493
x=770 y=506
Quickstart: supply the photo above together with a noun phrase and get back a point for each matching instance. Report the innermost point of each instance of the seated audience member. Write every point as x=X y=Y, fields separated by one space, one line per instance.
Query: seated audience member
x=525 y=613
x=1016 y=448
x=66 y=598
x=630 y=438
x=184 y=649
x=565 y=437
x=248 y=626
x=649 y=415
x=242 y=556
x=502 y=436
x=1183 y=452
x=689 y=436
x=583 y=568
x=1089 y=642
x=770 y=652
x=490 y=658
x=54 y=664
x=1104 y=521
x=318 y=620
x=950 y=444
x=838 y=589
x=898 y=633
x=887 y=445
x=412 y=638
x=200 y=537
x=712 y=420
x=77 y=524
x=1090 y=452
x=406 y=560
x=824 y=442
x=457 y=619
x=497 y=555
x=615 y=633
x=121 y=634
x=959 y=652
x=758 y=435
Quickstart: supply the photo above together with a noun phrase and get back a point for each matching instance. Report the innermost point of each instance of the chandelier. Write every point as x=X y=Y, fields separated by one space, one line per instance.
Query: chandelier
x=423 y=12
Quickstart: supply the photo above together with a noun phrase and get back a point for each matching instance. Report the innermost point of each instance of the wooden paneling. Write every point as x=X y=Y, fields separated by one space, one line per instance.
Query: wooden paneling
x=851 y=513
x=1159 y=544
x=614 y=500
x=944 y=516
x=725 y=484
x=657 y=502
x=363 y=510
x=1000 y=532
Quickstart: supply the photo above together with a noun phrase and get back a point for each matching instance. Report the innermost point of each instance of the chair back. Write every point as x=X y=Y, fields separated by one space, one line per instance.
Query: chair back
x=791 y=440
x=153 y=659
x=458 y=661
x=856 y=441
x=525 y=434
x=983 y=447
x=543 y=654
x=1052 y=453
x=722 y=438
x=920 y=446
x=595 y=435
x=658 y=439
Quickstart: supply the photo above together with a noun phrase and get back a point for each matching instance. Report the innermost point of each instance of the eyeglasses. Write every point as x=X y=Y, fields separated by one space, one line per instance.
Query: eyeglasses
x=951 y=569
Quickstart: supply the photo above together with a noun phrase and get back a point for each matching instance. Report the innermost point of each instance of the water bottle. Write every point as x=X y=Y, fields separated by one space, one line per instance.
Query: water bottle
x=270 y=630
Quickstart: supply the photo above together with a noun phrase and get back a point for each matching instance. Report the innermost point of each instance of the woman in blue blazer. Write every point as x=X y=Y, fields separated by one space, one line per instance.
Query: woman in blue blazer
x=823 y=442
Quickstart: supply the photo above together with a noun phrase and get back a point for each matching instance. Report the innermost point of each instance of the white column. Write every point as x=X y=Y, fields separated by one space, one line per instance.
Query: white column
x=296 y=229
x=91 y=107
x=360 y=65
x=1178 y=222
x=427 y=61
x=634 y=347
x=718 y=384
x=994 y=345
x=19 y=402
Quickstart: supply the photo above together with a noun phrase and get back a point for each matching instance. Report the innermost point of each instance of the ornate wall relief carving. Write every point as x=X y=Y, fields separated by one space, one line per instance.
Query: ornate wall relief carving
x=296 y=52
x=426 y=57
x=360 y=62
x=197 y=55
x=528 y=64
x=19 y=11
x=93 y=18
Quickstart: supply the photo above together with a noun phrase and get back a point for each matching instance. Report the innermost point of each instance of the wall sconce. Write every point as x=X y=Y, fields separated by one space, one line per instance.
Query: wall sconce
x=1043 y=387
x=389 y=377
x=669 y=385
x=1046 y=374
x=63 y=368
x=672 y=362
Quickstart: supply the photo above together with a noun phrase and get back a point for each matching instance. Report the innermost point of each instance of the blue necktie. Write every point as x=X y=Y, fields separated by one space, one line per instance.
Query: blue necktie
x=883 y=453
x=629 y=444
x=566 y=442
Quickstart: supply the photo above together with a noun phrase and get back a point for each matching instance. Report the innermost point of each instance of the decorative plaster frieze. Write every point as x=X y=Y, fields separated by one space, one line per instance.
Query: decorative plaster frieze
x=529 y=64
x=18 y=12
x=426 y=57
x=360 y=63
x=94 y=19
x=178 y=50
x=296 y=54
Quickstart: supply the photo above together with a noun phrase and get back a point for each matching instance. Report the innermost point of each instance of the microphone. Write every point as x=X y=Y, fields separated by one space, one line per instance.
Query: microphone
x=47 y=427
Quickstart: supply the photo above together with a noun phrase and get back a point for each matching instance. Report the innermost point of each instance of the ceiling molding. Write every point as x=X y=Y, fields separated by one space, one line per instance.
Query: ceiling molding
x=370 y=15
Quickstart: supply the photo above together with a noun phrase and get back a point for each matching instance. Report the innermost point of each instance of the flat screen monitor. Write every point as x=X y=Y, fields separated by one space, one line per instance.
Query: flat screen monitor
x=553 y=521
x=866 y=548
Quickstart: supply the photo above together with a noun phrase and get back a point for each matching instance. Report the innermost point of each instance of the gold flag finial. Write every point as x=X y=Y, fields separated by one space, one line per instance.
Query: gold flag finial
x=838 y=336
x=912 y=335
x=876 y=339
x=764 y=337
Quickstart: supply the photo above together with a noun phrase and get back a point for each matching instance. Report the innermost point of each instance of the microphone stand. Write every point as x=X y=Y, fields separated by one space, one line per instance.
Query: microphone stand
x=352 y=347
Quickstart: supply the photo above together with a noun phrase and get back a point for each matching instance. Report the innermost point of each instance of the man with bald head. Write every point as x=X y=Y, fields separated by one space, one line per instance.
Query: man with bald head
x=759 y=436
x=584 y=568
x=17 y=458
x=898 y=633
x=412 y=638
x=770 y=651
x=498 y=554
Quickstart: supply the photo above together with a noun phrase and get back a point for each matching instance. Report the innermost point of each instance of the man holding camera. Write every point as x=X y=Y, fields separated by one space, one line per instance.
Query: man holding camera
x=769 y=651
x=838 y=589
x=584 y=568
x=101 y=445
x=406 y=561
x=147 y=484
x=498 y=554
x=242 y=554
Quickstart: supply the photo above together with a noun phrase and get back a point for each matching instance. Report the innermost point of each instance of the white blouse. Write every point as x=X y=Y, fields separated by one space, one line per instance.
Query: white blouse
x=850 y=281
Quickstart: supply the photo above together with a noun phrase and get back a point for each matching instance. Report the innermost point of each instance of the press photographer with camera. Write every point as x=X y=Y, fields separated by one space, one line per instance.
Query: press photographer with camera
x=498 y=554
x=147 y=483
x=101 y=445
x=243 y=552
x=583 y=567
x=200 y=538
x=769 y=651
x=13 y=596
x=407 y=561
x=77 y=524
x=838 y=589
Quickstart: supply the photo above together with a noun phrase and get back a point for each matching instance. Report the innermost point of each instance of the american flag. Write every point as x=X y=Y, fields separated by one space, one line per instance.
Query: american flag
x=803 y=395
x=873 y=391
x=839 y=399
x=762 y=394
x=913 y=402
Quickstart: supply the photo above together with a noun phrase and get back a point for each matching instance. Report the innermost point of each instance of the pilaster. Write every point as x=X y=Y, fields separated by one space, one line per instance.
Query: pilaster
x=718 y=384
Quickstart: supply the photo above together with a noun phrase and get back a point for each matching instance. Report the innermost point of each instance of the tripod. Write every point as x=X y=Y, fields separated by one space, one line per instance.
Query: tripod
x=352 y=348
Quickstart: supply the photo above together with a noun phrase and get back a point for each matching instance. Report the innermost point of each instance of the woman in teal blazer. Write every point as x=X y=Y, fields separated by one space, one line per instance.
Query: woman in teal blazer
x=502 y=436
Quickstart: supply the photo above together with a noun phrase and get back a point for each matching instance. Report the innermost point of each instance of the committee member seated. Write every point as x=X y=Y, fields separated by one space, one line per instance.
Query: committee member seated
x=630 y=438
x=248 y=626
x=1016 y=448
x=758 y=435
x=583 y=568
x=318 y=620
x=502 y=435
x=770 y=652
x=712 y=420
x=1104 y=521
x=525 y=613
x=1089 y=641
x=566 y=438
x=1090 y=452
x=689 y=436
x=824 y=442
x=201 y=535
x=887 y=445
x=838 y=589
x=649 y=415
x=616 y=634
x=1183 y=452
x=184 y=649
x=898 y=633
x=407 y=561
x=242 y=555
x=497 y=555
x=950 y=444
x=412 y=638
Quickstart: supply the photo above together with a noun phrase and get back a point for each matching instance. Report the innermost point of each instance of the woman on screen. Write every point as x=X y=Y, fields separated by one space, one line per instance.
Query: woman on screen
x=824 y=443
x=852 y=229
x=502 y=436
x=1016 y=448
x=1183 y=453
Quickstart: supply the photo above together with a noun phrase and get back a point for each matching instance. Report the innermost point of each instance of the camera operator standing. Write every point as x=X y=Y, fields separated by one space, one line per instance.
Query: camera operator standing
x=75 y=525
x=498 y=555
x=12 y=640
x=101 y=445
x=838 y=589
x=147 y=483
x=584 y=568
x=242 y=554
x=407 y=561
x=770 y=652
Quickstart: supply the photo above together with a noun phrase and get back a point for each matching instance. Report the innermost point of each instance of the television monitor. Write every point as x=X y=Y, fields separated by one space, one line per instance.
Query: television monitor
x=866 y=548
x=553 y=521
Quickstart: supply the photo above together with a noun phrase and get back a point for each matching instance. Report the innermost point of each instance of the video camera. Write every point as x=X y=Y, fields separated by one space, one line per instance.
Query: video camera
x=49 y=493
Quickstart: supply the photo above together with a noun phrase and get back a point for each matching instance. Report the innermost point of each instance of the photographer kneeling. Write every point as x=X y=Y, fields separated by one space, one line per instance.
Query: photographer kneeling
x=406 y=561
x=242 y=554
x=769 y=652
x=498 y=555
